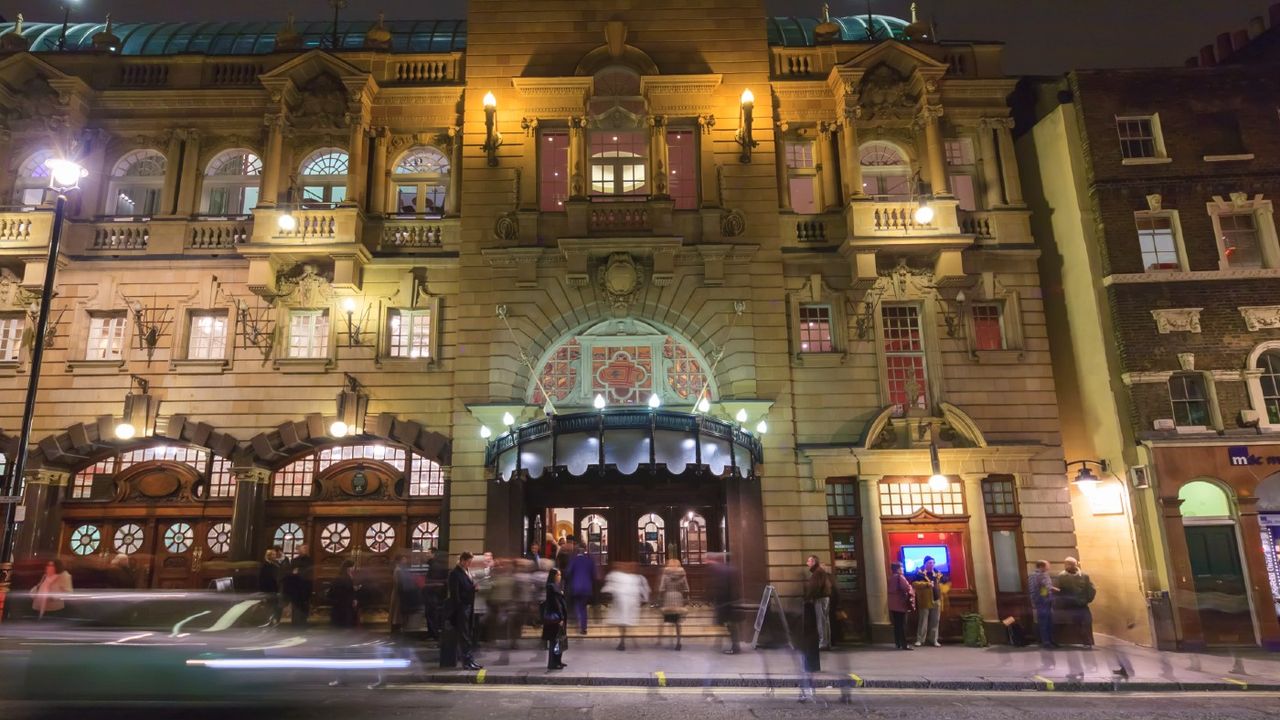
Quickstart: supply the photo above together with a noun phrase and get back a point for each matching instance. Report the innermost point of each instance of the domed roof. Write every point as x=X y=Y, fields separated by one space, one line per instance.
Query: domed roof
x=799 y=31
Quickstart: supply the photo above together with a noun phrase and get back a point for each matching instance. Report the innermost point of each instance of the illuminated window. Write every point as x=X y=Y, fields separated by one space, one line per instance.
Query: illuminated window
x=10 y=337
x=426 y=478
x=652 y=536
x=421 y=179
x=309 y=334
x=906 y=498
x=815 y=329
x=425 y=536
x=128 y=538
x=219 y=538
x=1157 y=242
x=693 y=539
x=136 y=183
x=82 y=482
x=380 y=537
x=222 y=483
x=86 y=539
x=294 y=479
x=106 y=337
x=618 y=163
x=802 y=176
x=231 y=183
x=885 y=171
x=32 y=181
x=410 y=333
x=595 y=533
x=904 y=358
x=207 y=338
x=324 y=176
x=559 y=376
x=1239 y=236
x=685 y=376
x=682 y=156
x=1269 y=364
x=179 y=537
x=289 y=538
x=330 y=456
x=961 y=172
x=335 y=538
x=553 y=168
x=988 y=327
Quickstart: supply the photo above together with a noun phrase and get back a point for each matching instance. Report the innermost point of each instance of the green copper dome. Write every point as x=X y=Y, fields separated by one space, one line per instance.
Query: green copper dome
x=798 y=31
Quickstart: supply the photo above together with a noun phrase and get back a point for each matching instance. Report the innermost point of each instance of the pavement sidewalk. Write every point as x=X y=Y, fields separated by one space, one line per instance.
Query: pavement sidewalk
x=1111 y=666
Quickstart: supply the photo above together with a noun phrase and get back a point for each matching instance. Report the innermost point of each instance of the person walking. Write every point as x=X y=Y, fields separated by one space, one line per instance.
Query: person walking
x=673 y=591
x=724 y=596
x=1075 y=593
x=269 y=583
x=901 y=600
x=817 y=592
x=580 y=581
x=406 y=598
x=49 y=595
x=627 y=590
x=343 y=609
x=928 y=590
x=298 y=586
x=460 y=604
x=555 y=621
x=1040 y=588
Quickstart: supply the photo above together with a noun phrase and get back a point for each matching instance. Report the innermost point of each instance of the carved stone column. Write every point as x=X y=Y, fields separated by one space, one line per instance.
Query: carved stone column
x=937 y=166
x=984 y=577
x=270 y=194
x=378 y=192
x=659 y=162
x=453 y=196
x=356 y=170
x=873 y=557
x=577 y=158
x=169 y=196
x=250 y=511
x=7 y=172
x=42 y=526
x=784 y=173
x=990 y=163
x=827 y=167
x=1184 y=596
x=850 y=164
x=189 y=183
x=1009 y=162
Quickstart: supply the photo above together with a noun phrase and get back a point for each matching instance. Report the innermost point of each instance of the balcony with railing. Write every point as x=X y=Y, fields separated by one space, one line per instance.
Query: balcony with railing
x=881 y=217
x=823 y=229
x=24 y=229
x=312 y=224
x=416 y=234
x=618 y=215
x=997 y=227
x=801 y=63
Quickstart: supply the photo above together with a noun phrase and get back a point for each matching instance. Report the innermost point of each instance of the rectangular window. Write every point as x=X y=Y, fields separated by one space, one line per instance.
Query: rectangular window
x=208 y=336
x=426 y=478
x=1240 y=246
x=904 y=358
x=1219 y=134
x=10 y=337
x=1137 y=137
x=553 y=169
x=799 y=155
x=959 y=151
x=802 y=176
x=962 y=187
x=904 y=499
x=410 y=333
x=682 y=155
x=815 y=329
x=137 y=201
x=1004 y=547
x=998 y=497
x=106 y=337
x=309 y=334
x=988 y=327
x=222 y=483
x=1157 y=242
x=618 y=163
x=842 y=499
x=1190 y=402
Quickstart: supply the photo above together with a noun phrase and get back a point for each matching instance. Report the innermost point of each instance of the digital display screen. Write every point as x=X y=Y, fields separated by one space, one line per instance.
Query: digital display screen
x=913 y=558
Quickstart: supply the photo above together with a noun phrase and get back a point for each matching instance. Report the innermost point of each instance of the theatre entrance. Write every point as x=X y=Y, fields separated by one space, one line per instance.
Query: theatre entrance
x=646 y=521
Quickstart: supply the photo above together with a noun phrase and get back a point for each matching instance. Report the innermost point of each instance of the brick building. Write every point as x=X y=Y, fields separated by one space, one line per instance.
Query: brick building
x=1153 y=194
x=376 y=290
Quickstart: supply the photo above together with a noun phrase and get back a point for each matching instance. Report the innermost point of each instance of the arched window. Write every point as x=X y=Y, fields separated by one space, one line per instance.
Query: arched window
x=421 y=179
x=426 y=536
x=137 y=181
x=94 y=482
x=231 y=183
x=618 y=162
x=324 y=176
x=290 y=538
x=1269 y=384
x=595 y=533
x=693 y=539
x=1205 y=500
x=32 y=180
x=424 y=477
x=652 y=537
x=885 y=170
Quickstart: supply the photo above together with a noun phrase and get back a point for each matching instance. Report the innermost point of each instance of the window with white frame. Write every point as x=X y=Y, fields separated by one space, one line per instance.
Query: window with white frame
x=1238 y=237
x=32 y=180
x=988 y=326
x=207 y=337
x=1157 y=242
x=10 y=337
x=617 y=161
x=231 y=183
x=106 y=337
x=309 y=334
x=906 y=497
x=904 y=361
x=802 y=176
x=1268 y=364
x=885 y=170
x=1190 y=400
x=324 y=176
x=137 y=181
x=421 y=179
x=961 y=172
x=1139 y=137
x=815 y=329
x=409 y=332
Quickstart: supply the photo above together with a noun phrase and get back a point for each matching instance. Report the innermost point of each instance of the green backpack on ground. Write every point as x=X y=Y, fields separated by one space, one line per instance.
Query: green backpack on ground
x=975 y=633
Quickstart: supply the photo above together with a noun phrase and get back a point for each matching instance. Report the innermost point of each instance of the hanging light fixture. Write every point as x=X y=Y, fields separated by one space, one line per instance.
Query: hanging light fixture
x=937 y=481
x=140 y=410
x=1085 y=478
x=352 y=405
x=655 y=402
x=598 y=403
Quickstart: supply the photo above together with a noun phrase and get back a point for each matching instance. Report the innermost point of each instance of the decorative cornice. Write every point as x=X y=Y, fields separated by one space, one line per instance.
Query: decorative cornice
x=1177 y=320
x=1191 y=276
x=553 y=86
x=680 y=84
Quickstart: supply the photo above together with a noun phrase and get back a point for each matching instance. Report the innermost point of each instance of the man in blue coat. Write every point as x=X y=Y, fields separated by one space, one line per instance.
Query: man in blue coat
x=581 y=584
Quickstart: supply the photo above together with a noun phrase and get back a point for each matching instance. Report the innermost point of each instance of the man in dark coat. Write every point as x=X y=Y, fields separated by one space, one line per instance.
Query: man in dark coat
x=298 y=586
x=724 y=595
x=460 y=606
x=434 y=592
x=343 y=612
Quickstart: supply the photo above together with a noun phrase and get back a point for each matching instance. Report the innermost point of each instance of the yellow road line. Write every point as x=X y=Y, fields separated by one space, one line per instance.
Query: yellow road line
x=1243 y=685
x=857 y=681
x=662 y=678
x=1048 y=684
x=480 y=676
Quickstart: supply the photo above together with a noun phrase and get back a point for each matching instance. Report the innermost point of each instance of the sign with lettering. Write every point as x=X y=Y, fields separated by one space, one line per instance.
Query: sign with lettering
x=1240 y=456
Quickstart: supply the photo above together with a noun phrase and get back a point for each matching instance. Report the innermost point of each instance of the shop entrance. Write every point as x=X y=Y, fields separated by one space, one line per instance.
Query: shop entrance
x=1221 y=593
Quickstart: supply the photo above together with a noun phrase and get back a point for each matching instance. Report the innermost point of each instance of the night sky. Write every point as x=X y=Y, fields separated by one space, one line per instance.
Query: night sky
x=1044 y=36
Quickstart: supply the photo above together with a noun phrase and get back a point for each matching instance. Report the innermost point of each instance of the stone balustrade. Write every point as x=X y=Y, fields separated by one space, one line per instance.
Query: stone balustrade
x=410 y=234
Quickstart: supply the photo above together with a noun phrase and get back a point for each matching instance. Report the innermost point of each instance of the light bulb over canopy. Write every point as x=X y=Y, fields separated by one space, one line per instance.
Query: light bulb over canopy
x=485 y=432
x=598 y=403
x=741 y=416
x=508 y=419
x=655 y=402
x=338 y=429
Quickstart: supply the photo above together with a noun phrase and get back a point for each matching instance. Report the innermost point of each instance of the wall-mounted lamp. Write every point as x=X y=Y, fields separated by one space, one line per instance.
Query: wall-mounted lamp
x=508 y=419
x=140 y=410
x=741 y=417
x=485 y=432
x=954 y=315
x=1085 y=477
x=149 y=324
x=355 y=330
x=762 y=427
x=923 y=214
x=937 y=481
x=492 y=138
x=352 y=405
x=703 y=405
x=744 y=138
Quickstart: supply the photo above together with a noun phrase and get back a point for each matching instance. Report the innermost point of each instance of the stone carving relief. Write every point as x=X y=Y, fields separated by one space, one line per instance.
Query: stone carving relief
x=1262 y=317
x=732 y=223
x=323 y=104
x=309 y=289
x=41 y=105
x=1154 y=202
x=1177 y=320
x=621 y=279
x=885 y=95
x=507 y=227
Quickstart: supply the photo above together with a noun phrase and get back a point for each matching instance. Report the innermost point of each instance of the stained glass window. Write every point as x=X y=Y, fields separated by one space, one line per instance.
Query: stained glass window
x=290 y=539
x=685 y=376
x=623 y=374
x=179 y=537
x=335 y=537
x=560 y=373
x=85 y=540
x=380 y=537
x=128 y=538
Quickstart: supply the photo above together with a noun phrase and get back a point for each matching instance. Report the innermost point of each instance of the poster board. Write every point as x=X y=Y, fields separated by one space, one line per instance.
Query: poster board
x=770 y=599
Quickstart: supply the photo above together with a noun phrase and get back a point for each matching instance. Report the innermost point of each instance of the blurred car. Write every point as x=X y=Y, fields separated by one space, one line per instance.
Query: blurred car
x=169 y=645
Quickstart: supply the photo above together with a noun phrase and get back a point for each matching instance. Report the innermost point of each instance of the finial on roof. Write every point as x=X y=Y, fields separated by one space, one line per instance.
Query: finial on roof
x=106 y=41
x=918 y=30
x=13 y=41
x=914 y=7
x=826 y=31
x=826 y=12
x=378 y=37
x=17 y=27
x=288 y=38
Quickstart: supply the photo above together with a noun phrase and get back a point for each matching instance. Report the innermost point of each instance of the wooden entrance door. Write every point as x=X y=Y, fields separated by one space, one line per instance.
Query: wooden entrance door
x=849 y=607
x=1221 y=593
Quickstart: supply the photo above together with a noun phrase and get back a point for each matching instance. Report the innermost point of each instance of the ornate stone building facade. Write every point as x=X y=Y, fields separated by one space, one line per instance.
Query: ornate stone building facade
x=373 y=296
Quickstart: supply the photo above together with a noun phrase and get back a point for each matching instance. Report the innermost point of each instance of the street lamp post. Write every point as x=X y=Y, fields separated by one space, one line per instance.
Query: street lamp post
x=64 y=176
x=66 y=23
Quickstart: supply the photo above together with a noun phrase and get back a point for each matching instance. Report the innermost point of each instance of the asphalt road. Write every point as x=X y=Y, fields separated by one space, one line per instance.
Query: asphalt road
x=564 y=703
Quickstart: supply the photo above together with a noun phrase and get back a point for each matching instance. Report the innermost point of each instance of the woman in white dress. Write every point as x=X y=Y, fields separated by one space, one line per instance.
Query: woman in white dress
x=627 y=591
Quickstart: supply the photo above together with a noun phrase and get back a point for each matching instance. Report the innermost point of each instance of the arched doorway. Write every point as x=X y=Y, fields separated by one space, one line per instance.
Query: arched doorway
x=1217 y=567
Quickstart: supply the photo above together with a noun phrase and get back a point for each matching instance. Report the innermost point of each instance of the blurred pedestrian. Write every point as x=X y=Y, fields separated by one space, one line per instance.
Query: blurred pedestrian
x=49 y=595
x=724 y=596
x=298 y=586
x=817 y=591
x=673 y=591
x=120 y=573
x=406 y=595
x=580 y=582
x=901 y=600
x=460 y=604
x=1040 y=588
x=482 y=575
x=269 y=582
x=627 y=590
x=434 y=591
x=532 y=553
x=928 y=589
x=555 y=616
x=1075 y=593
x=343 y=608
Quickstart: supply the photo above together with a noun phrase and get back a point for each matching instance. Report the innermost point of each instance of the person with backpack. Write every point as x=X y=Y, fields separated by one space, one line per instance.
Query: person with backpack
x=1075 y=593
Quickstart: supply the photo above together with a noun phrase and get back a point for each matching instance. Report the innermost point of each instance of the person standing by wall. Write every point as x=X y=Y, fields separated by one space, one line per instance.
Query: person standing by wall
x=673 y=591
x=50 y=593
x=928 y=590
x=817 y=591
x=901 y=600
x=298 y=586
x=1075 y=593
x=1040 y=588
x=460 y=605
